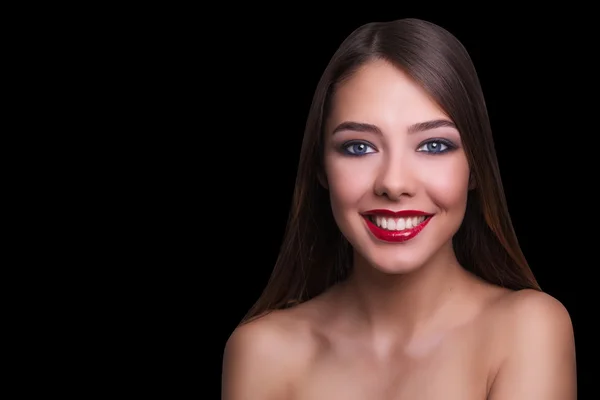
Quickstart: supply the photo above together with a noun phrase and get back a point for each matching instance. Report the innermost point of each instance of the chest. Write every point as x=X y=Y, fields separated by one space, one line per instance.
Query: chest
x=449 y=369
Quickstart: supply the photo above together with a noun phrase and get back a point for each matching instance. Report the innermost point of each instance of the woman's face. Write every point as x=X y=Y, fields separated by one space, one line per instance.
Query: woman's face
x=396 y=171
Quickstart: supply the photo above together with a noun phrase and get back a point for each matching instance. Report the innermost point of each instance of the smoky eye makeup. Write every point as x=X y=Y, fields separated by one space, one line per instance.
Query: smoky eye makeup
x=433 y=146
x=437 y=146
x=356 y=147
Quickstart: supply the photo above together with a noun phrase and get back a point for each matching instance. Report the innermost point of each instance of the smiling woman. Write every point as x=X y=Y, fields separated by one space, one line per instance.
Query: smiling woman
x=400 y=275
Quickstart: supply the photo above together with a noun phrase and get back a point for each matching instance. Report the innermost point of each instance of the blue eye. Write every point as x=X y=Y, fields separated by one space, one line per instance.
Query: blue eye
x=436 y=146
x=357 y=148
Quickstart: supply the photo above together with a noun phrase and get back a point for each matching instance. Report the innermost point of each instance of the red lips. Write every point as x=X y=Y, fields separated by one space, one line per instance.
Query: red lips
x=396 y=236
x=402 y=213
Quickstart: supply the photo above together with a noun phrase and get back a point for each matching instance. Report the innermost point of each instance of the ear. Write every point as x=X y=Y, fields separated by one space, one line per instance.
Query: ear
x=472 y=182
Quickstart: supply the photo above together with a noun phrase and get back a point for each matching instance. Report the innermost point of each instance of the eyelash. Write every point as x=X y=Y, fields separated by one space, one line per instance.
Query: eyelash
x=449 y=146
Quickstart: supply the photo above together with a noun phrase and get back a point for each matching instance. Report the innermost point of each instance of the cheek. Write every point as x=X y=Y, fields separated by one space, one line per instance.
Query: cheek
x=348 y=180
x=448 y=184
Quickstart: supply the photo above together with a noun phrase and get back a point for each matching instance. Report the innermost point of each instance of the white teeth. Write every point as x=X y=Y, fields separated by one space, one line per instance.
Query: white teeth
x=397 y=224
x=391 y=225
x=401 y=224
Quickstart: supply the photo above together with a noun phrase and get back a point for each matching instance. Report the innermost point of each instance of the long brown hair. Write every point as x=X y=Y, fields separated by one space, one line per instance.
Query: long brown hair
x=314 y=254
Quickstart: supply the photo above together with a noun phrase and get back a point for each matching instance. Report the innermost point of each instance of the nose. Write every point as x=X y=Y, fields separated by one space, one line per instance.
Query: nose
x=396 y=178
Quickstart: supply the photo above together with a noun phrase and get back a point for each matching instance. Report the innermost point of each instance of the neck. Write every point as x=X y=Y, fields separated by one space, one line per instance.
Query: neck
x=405 y=304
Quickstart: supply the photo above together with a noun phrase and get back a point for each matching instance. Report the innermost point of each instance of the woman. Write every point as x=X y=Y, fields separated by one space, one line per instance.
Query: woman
x=400 y=275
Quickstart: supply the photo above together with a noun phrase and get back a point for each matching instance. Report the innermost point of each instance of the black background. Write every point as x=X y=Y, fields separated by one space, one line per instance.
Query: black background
x=160 y=170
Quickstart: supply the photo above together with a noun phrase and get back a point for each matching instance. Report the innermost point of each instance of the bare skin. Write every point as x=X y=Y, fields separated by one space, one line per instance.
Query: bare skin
x=410 y=322
x=480 y=342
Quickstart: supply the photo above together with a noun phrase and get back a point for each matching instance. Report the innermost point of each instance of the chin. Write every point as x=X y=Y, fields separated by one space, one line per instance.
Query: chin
x=403 y=262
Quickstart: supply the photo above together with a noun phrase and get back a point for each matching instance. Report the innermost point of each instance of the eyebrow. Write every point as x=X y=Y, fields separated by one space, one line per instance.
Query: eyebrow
x=418 y=127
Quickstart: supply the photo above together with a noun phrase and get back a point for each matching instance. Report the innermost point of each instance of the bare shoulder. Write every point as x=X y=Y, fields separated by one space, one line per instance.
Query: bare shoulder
x=537 y=316
x=538 y=361
x=262 y=357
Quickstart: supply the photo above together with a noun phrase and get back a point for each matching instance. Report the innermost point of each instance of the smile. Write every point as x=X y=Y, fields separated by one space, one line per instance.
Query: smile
x=398 y=226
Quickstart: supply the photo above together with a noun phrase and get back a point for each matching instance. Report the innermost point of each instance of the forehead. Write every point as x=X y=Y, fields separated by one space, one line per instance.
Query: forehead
x=382 y=94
